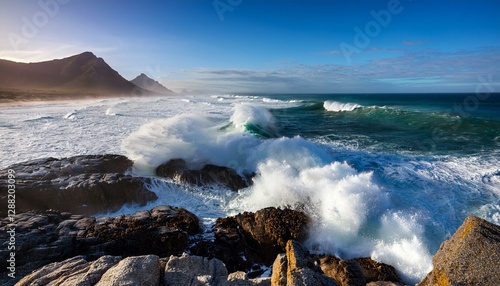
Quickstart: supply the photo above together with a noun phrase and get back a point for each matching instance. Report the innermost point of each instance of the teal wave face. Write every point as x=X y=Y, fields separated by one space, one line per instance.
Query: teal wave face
x=259 y=131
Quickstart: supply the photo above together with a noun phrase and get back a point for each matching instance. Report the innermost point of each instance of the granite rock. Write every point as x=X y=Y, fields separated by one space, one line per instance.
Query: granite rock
x=470 y=257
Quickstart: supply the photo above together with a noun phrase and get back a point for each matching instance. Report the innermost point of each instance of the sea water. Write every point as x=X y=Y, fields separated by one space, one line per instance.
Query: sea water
x=388 y=176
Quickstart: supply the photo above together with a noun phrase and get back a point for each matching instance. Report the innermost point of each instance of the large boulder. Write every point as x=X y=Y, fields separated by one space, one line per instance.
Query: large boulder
x=86 y=185
x=208 y=175
x=51 y=236
x=185 y=269
x=139 y=270
x=247 y=239
x=470 y=257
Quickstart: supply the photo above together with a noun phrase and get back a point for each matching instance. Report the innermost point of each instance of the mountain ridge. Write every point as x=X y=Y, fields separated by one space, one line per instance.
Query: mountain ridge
x=79 y=76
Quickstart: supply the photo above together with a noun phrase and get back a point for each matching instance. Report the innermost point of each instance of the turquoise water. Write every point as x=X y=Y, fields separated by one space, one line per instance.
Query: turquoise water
x=418 y=123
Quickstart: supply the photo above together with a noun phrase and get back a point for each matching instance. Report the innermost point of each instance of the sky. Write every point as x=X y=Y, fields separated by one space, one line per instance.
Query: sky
x=265 y=46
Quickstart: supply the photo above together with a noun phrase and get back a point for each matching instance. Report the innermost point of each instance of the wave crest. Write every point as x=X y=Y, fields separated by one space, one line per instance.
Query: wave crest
x=336 y=106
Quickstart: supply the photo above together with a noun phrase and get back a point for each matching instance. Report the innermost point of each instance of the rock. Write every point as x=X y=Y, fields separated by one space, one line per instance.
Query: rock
x=238 y=275
x=374 y=271
x=209 y=174
x=197 y=270
x=384 y=283
x=358 y=271
x=55 y=273
x=280 y=267
x=240 y=279
x=81 y=185
x=194 y=270
x=470 y=257
x=165 y=231
x=50 y=236
x=297 y=267
x=94 y=273
x=139 y=270
x=75 y=271
x=249 y=238
x=345 y=272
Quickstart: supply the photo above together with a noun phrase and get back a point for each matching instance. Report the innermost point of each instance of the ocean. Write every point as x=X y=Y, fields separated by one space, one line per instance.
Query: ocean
x=389 y=176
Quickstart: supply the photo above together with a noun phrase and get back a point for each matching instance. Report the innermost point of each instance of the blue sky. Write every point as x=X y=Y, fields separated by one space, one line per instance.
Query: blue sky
x=223 y=46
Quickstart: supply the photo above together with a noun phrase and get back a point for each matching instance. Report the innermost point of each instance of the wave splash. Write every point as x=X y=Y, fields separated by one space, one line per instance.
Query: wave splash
x=351 y=214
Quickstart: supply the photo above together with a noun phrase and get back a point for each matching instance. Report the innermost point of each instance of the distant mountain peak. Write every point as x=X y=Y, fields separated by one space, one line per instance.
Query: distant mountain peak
x=87 y=53
x=148 y=83
x=84 y=55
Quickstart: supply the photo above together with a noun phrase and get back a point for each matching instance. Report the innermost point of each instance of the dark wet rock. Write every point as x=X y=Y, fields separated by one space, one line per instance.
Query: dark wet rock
x=209 y=174
x=81 y=185
x=51 y=236
x=247 y=239
x=164 y=230
x=358 y=271
x=470 y=257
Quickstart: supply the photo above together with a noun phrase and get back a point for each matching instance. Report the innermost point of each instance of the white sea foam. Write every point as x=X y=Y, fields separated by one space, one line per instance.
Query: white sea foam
x=352 y=215
x=336 y=106
x=196 y=139
x=71 y=115
x=110 y=112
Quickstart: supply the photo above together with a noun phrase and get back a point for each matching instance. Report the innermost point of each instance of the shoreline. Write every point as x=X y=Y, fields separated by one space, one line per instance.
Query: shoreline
x=9 y=98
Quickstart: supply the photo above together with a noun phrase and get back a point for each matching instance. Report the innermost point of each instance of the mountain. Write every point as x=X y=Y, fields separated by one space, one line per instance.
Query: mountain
x=83 y=74
x=148 y=83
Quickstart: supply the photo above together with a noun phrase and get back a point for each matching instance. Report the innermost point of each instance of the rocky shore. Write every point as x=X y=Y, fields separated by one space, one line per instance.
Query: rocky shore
x=59 y=241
